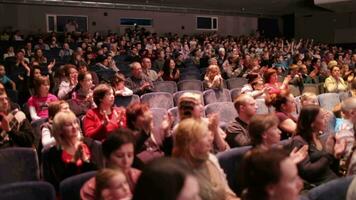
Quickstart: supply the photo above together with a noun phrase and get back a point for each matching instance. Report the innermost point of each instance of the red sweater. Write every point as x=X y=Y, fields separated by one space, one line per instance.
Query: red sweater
x=94 y=128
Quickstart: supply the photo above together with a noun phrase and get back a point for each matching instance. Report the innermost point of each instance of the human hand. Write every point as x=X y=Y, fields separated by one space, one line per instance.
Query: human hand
x=51 y=65
x=213 y=122
x=299 y=155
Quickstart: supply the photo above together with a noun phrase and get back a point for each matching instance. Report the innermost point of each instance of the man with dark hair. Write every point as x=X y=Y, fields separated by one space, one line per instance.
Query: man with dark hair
x=237 y=133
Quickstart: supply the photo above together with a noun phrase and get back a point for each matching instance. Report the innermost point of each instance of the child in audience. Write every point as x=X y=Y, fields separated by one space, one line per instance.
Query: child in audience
x=111 y=185
x=38 y=103
x=118 y=84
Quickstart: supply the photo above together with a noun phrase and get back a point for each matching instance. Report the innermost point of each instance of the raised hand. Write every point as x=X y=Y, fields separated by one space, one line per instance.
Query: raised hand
x=299 y=155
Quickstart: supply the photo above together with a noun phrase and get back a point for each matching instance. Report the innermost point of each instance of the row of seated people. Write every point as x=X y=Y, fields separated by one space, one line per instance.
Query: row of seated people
x=193 y=143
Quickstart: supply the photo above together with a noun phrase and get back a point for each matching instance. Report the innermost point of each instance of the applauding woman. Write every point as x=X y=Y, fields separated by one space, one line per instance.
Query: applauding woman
x=71 y=156
x=103 y=119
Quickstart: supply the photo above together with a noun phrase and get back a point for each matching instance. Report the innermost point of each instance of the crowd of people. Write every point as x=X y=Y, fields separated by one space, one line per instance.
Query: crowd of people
x=65 y=86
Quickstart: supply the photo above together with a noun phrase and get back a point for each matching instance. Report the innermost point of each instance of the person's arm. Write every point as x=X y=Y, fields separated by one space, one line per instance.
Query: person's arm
x=127 y=92
x=219 y=141
x=93 y=127
x=310 y=169
x=47 y=139
x=33 y=113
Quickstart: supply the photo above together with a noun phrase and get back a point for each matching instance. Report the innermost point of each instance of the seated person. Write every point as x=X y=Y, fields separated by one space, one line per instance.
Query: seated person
x=285 y=105
x=16 y=131
x=38 y=103
x=236 y=132
x=170 y=72
x=212 y=78
x=151 y=142
x=5 y=80
x=118 y=151
x=335 y=83
x=118 y=84
x=81 y=97
x=168 y=178
x=139 y=83
x=316 y=167
x=190 y=106
x=68 y=82
x=71 y=155
x=193 y=143
x=54 y=107
x=274 y=171
x=103 y=119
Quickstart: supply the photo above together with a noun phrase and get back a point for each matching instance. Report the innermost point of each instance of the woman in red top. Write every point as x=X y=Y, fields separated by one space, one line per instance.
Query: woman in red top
x=272 y=83
x=99 y=121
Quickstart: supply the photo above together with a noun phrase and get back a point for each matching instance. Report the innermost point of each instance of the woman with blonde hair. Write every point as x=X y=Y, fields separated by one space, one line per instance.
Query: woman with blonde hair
x=71 y=155
x=193 y=143
x=212 y=78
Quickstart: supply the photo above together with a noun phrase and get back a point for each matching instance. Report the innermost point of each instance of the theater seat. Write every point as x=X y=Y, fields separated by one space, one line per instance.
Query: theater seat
x=226 y=111
x=190 y=85
x=70 y=187
x=328 y=100
x=235 y=83
x=333 y=190
x=158 y=100
x=216 y=95
x=31 y=190
x=18 y=164
x=165 y=86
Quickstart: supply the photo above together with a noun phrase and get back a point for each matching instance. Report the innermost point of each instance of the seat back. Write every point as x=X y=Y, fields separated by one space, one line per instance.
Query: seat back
x=216 y=95
x=158 y=100
x=344 y=95
x=70 y=187
x=165 y=86
x=226 y=111
x=328 y=100
x=158 y=116
x=30 y=190
x=235 y=93
x=125 y=101
x=230 y=162
x=332 y=190
x=294 y=90
x=312 y=88
x=175 y=114
x=18 y=164
x=235 y=83
x=180 y=93
x=190 y=85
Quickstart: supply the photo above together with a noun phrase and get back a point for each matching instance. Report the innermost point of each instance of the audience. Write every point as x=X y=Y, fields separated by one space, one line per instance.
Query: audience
x=72 y=64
